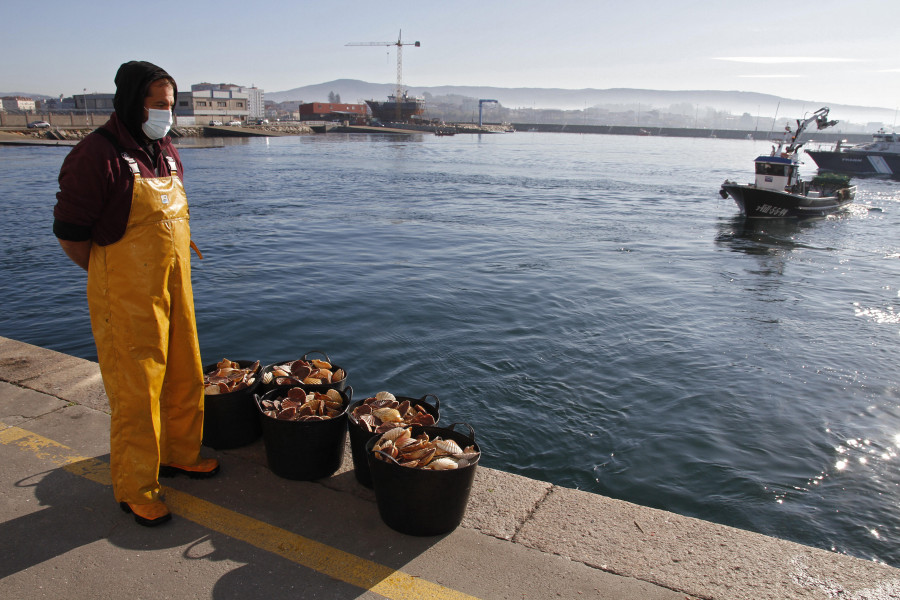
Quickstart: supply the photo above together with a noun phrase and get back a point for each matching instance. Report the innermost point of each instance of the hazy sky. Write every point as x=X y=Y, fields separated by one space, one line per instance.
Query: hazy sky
x=825 y=51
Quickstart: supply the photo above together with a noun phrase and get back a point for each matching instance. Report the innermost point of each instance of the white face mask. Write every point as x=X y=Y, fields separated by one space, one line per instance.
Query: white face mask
x=158 y=123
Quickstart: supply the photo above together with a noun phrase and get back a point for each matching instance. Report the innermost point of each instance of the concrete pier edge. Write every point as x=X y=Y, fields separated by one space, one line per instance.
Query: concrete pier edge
x=670 y=552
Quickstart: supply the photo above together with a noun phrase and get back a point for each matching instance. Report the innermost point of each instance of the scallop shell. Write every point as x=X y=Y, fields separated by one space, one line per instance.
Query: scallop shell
x=443 y=464
x=387 y=414
x=424 y=419
x=383 y=427
x=287 y=414
x=448 y=447
x=383 y=445
x=297 y=394
x=291 y=403
x=408 y=443
x=396 y=434
x=385 y=396
x=423 y=455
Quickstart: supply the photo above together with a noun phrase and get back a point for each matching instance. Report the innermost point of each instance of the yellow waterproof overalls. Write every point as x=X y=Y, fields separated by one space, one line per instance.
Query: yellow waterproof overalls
x=142 y=316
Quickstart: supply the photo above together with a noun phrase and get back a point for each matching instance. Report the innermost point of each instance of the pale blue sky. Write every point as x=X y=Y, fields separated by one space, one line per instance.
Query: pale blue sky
x=824 y=51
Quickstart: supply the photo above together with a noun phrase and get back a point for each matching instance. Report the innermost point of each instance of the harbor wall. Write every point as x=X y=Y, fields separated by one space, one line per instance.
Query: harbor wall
x=733 y=134
x=70 y=119
x=80 y=119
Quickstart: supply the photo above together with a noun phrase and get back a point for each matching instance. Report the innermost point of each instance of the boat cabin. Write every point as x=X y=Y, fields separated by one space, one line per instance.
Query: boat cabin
x=882 y=136
x=776 y=173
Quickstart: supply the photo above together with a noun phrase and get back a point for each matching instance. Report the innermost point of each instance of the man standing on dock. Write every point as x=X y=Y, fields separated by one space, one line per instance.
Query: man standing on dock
x=122 y=215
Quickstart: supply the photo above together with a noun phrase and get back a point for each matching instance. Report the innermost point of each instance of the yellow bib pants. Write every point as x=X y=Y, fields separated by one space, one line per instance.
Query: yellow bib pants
x=142 y=317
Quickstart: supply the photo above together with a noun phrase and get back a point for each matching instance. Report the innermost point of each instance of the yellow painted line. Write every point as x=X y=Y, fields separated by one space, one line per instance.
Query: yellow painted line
x=335 y=563
x=304 y=551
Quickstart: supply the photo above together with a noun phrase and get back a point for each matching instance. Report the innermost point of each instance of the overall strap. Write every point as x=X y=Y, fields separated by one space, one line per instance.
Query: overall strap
x=173 y=166
x=132 y=164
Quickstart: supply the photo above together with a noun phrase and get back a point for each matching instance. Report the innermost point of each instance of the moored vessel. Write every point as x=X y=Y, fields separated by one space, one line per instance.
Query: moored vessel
x=405 y=109
x=881 y=156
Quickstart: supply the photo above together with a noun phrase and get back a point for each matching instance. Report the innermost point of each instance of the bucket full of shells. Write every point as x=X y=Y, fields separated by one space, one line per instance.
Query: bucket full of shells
x=230 y=418
x=312 y=374
x=422 y=477
x=304 y=432
x=373 y=416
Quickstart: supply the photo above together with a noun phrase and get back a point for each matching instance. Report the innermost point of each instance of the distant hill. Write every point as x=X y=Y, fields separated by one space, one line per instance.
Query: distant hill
x=737 y=103
x=26 y=95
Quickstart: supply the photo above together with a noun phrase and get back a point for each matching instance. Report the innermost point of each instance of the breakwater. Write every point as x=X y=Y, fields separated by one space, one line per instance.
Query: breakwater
x=693 y=132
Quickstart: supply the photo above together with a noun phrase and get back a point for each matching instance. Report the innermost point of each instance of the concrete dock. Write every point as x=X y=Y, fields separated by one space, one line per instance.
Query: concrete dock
x=250 y=534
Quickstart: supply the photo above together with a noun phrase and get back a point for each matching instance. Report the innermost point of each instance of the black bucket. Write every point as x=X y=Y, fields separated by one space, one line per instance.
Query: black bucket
x=231 y=420
x=271 y=385
x=421 y=501
x=304 y=450
x=359 y=435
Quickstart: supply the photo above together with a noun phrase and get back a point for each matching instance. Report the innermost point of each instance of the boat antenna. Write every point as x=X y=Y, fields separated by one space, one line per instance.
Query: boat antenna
x=775 y=118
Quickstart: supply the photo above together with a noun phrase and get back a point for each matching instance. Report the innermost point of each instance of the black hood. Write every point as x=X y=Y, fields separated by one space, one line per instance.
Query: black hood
x=133 y=79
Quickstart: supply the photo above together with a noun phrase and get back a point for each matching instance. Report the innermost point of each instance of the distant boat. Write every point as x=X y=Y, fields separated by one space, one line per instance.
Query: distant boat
x=881 y=156
x=393 y=111
x=778 y=190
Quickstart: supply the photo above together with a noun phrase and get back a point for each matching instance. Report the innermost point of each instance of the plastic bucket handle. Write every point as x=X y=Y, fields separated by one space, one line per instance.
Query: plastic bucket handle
x=322 y=352
x=437 y=401
x=388 y=456
x=471 y=431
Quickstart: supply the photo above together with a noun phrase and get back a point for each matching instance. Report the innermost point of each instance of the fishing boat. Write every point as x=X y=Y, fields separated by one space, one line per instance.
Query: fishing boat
x=778 y=191
x=881 y=156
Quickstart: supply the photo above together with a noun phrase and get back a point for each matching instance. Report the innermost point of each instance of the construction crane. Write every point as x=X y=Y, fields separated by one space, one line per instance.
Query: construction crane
x=399 y=43
x=481 y=104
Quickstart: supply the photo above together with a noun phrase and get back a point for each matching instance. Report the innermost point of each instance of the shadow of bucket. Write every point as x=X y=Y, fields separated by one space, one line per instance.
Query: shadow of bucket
x=295 y=382
x=231 y=420
x=359 y=435
x=421 y=501
x=304 y=450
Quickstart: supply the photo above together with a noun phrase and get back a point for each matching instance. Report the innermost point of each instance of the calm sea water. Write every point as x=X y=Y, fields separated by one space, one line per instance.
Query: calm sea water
x=589 y=304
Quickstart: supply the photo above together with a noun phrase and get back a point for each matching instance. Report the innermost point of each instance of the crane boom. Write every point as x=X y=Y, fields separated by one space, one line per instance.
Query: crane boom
x=399 y=43
x=820 y=118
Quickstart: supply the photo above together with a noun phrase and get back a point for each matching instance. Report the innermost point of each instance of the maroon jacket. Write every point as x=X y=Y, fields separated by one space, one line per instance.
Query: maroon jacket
x=95 y=185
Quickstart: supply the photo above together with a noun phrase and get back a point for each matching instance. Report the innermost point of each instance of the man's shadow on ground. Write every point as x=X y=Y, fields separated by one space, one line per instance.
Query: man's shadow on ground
x=76 y=512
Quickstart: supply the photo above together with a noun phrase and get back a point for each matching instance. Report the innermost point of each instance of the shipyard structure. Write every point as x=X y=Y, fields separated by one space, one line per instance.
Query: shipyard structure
x=408 y=110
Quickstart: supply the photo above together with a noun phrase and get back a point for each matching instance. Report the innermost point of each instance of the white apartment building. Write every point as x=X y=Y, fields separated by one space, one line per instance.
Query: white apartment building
x=19 y=103
x=218 y=102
